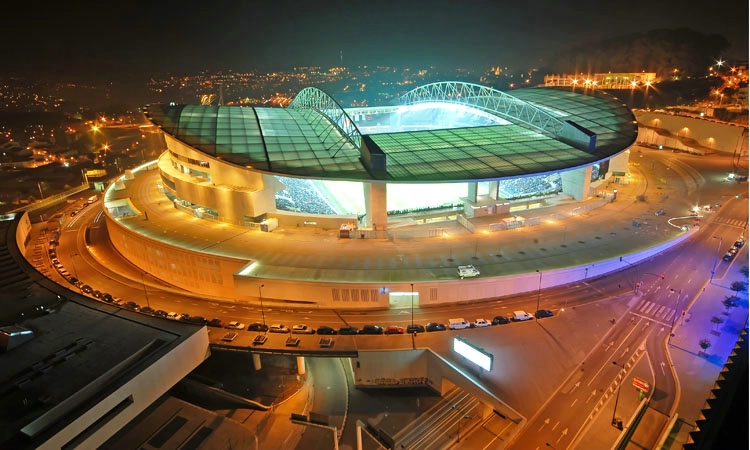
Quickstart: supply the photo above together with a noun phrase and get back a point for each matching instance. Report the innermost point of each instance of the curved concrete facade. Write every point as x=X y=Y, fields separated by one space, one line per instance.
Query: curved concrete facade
x=323 y=271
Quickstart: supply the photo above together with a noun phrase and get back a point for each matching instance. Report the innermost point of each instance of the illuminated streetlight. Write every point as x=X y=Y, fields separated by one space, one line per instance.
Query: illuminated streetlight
x=262 y=312
x=616 y=423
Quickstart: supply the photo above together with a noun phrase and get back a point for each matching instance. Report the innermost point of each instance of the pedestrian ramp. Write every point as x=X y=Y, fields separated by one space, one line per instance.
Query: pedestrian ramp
x=451 y=419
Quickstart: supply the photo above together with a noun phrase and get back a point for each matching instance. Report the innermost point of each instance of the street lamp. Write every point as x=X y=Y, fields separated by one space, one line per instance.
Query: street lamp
x=412 y=305
x=617 y=423
x=262 y=312
x=539 y=290
x=674 y=318
x=145 y=291
x=718 y=252
x=458 y=434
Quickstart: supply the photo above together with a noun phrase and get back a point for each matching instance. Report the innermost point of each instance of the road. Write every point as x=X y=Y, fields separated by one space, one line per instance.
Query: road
x=636 y=341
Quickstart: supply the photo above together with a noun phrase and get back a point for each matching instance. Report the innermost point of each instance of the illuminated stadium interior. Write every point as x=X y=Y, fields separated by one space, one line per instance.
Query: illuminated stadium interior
x=345 y=197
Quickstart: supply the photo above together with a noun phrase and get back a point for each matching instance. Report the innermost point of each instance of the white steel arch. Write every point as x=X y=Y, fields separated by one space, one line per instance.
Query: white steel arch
x=315 y=99
x=487 y=99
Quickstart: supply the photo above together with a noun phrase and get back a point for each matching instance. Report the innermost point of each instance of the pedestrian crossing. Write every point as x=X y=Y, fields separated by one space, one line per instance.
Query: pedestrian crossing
x=732 y=222
x=656 y=311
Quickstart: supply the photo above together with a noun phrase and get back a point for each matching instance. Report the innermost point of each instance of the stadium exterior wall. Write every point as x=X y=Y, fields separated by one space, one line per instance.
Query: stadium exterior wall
x=221 y=277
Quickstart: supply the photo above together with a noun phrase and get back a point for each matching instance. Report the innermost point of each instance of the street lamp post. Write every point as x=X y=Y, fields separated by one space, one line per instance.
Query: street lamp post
x=412 y=305
x=262 y=312
x=539 y=290
x=615 y=423
x=718 y=252
x=145 y=291
x=674 y=318
x=458 y=434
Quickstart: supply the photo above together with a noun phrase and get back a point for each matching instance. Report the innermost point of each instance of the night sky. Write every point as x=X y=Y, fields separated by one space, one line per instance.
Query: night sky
x=103 y=39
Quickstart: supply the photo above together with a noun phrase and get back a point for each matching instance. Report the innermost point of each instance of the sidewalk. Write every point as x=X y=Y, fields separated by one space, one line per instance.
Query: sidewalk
x=700 y=368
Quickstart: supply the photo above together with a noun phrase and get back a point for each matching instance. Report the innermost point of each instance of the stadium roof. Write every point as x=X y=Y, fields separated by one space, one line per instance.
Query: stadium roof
x=315 y=138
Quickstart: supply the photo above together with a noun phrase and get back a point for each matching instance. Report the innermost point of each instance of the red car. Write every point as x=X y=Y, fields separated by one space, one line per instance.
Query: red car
x=394 y=329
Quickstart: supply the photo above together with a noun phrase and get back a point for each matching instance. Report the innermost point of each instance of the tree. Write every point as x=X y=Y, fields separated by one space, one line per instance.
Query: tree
x=704 y=343
x=730 y=301
x=744 y=270
x=716 y=321
x=738 y=286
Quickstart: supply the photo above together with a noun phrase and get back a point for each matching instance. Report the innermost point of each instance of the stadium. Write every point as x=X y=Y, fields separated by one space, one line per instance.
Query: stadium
x=449 y=153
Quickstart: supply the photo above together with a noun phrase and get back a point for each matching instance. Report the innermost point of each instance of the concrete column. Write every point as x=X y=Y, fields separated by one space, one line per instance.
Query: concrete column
x=256 y=361
x=577 y=182
x=471 y=193
x=300 y=365
x=619 y=163
x=493 y=189
x=376 y=204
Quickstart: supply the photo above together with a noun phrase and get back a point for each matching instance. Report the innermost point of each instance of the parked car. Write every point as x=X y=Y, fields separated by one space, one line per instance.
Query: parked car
x=371 y=329
x=97 y=293
x=394 y=329
x=199 y=320
x=215 y=322
x=467 y=271
x=235 y=325
x=479 y=323
x=458 y=323
x=434 y=326
x=415 y=328
x=148 y=310
x=133 y=306
x=257 y=326
x=660 y=212
x=519 y=316
x=278 y=328
x=325 y=329
x=728 y=256
x=542 y=313
x=174 y=316
x=87 y=289
x=302 y=329
x=160 y=313
x=739 y=242
x=348 y=330
x=107 y=297
x=500 y=320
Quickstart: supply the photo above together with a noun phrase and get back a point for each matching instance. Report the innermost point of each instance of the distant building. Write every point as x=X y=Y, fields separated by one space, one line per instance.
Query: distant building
x=607 y=80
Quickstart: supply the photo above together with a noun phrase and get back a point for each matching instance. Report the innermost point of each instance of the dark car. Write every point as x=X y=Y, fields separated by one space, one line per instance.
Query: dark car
x=348 y=330
x=215 y=323
x=107 y=297
x=97 y=293
x=133 y=306
x=257 y=326
x=542 y=313
x=200 y=320
x=739 y=242
x=434 y=326
x=160 y=313
x=325 y=329
x=87 y=289
x=148 y=310
x=415 y=328
x=371 y=329
x=500 y=320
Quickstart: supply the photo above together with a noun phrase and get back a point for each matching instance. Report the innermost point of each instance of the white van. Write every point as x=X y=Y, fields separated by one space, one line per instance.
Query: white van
x=458 y=324
x=467 y=271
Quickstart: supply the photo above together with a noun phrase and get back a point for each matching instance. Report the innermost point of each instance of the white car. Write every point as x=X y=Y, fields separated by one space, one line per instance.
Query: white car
x=234 y=325
x=519 y=316
x=174 y=316
x=278 y=328
x=481 y=323
x=302 y=329
x=467 y=271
